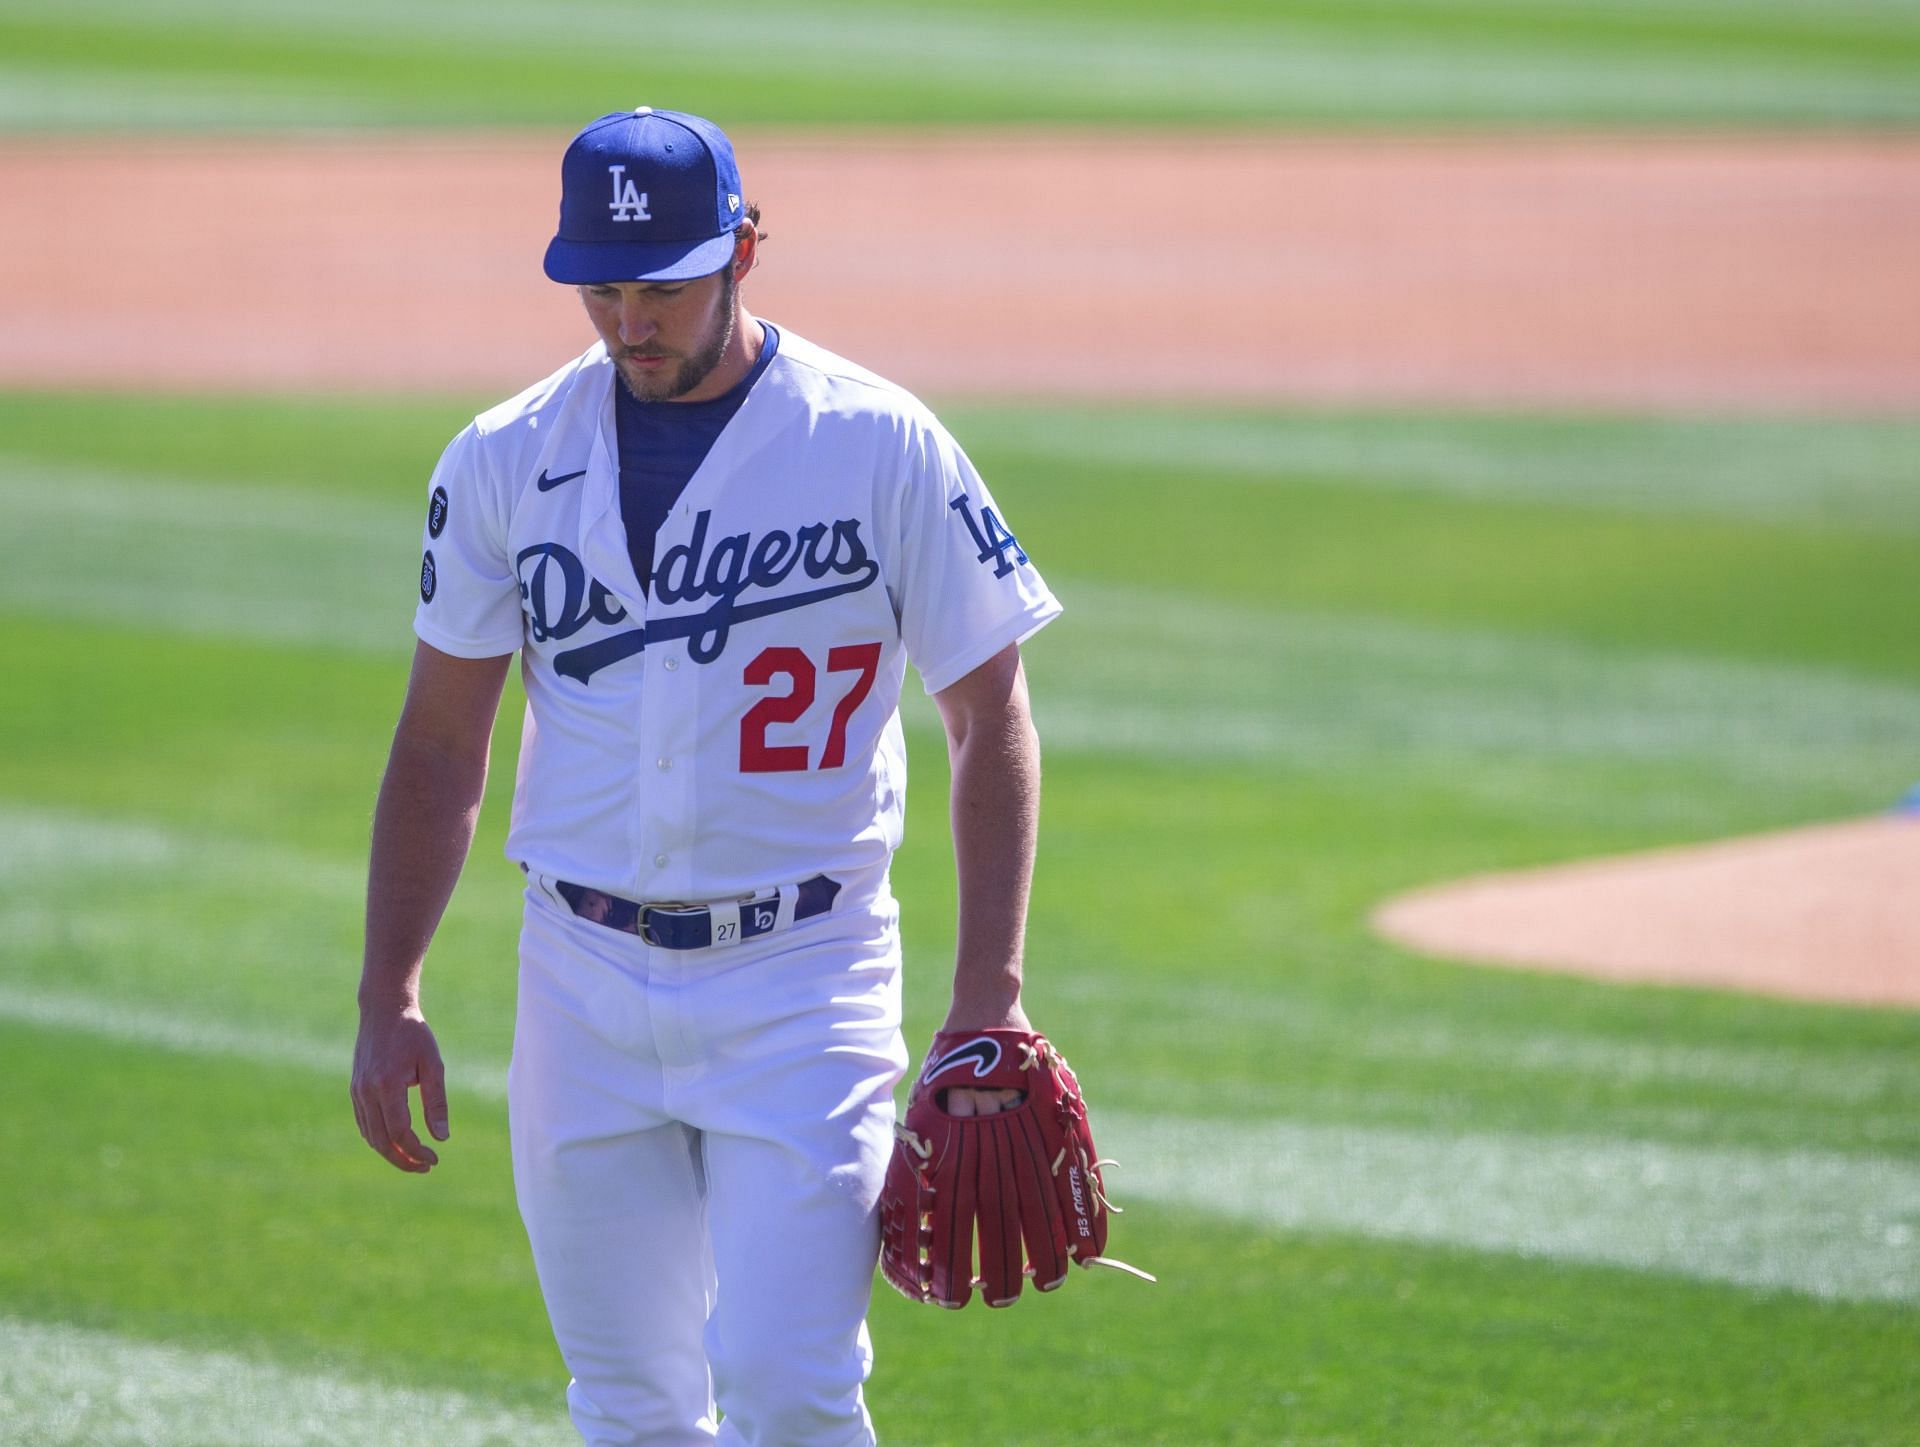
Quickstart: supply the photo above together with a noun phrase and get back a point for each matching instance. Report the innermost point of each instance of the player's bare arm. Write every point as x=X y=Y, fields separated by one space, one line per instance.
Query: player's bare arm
x=422 y=828
x=994 y=754
x=1035 y=1160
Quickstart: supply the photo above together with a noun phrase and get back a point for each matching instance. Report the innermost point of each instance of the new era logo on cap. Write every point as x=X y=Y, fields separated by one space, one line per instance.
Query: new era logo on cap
x=645 y=195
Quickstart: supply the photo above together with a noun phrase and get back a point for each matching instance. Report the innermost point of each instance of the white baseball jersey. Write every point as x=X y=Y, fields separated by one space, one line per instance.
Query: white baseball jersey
x=736 y=727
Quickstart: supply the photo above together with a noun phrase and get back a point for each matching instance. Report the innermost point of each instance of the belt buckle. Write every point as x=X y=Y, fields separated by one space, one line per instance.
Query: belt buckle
x=675 y=908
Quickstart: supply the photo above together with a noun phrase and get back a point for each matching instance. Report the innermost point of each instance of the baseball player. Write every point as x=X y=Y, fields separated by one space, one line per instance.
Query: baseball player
x=715 y=547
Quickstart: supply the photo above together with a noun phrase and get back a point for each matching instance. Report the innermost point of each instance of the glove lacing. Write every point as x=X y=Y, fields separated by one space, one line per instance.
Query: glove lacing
x=1030 y=1057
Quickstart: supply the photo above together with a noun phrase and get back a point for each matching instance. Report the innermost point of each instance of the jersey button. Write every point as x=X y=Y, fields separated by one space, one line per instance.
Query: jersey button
x=661 y=861
x=663 y=764
x=670 y=664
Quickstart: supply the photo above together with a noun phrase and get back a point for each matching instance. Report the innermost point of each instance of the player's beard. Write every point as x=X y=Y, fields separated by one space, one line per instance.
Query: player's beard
x=696 y=368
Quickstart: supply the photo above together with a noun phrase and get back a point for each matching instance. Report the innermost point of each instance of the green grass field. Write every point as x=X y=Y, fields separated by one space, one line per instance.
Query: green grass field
x=1389 y=1200
x=238 y=64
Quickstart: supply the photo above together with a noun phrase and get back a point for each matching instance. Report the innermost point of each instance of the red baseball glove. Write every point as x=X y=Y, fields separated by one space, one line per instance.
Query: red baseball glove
x=1027 y=1177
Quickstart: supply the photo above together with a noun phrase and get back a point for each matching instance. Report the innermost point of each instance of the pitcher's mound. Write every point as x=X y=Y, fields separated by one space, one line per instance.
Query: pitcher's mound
x=1826 y=913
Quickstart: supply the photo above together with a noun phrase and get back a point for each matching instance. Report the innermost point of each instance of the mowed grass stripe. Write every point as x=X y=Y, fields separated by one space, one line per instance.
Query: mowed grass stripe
x=229 y=1207
x=226 y=938
x=71 y=881
x=380 y=448
x=840 y=62
x=181 y=1033
x=1857 y=24
x=1859 y=473
x=1135 y=669
x=1169 y=674
x=67 y=1386
x=74 y=95
x=212 y=559
x=1809 y=563
x=1823 y=1224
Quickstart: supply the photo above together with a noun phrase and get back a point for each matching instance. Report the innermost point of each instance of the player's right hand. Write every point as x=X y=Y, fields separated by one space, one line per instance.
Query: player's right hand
x=395 y=1052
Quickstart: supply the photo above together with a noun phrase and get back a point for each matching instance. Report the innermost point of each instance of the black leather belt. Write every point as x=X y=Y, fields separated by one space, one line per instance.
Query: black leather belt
x=691 y=927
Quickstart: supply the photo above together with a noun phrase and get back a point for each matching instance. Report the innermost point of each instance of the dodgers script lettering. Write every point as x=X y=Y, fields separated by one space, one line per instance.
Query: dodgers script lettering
x=560 y=598
x=726 y=572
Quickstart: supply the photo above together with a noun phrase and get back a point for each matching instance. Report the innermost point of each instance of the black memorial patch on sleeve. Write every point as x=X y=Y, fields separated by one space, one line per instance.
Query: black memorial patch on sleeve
x=428 y=580
x=437 y=513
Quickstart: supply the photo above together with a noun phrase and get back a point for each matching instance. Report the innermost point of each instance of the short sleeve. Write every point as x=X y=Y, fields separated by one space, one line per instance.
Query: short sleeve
x=965 y=588
x=469 y=593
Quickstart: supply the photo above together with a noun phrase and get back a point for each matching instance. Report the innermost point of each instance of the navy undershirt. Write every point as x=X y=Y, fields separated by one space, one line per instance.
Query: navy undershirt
x=662 y=445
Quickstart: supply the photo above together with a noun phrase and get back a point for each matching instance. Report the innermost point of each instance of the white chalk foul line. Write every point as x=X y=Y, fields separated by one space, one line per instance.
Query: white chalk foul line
x=1824 y=1224
x=63 y=1386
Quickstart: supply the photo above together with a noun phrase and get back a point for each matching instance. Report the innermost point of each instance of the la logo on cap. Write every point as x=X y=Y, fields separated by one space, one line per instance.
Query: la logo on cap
x=629 y=201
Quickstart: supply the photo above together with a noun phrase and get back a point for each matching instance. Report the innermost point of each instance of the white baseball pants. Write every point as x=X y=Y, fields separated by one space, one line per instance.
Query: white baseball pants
x=699 y=1140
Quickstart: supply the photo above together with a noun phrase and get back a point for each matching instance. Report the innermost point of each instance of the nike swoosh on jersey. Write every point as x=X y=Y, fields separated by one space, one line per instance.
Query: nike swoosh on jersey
x=548 y=484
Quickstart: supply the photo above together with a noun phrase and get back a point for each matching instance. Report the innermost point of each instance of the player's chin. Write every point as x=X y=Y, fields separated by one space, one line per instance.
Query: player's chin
x=652 y=379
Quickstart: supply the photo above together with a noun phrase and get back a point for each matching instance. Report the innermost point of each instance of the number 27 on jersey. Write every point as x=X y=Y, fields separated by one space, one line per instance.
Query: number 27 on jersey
x=757 y=756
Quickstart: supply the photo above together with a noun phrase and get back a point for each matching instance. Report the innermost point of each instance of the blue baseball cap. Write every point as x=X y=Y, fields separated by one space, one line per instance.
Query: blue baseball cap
x=646 y=195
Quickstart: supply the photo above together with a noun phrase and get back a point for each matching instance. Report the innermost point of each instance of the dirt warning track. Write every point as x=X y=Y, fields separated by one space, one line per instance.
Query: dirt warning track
x=1629 y=273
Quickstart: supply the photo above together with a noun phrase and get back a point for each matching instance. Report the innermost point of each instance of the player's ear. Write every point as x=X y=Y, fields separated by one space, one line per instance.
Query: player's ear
x=746 y=251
